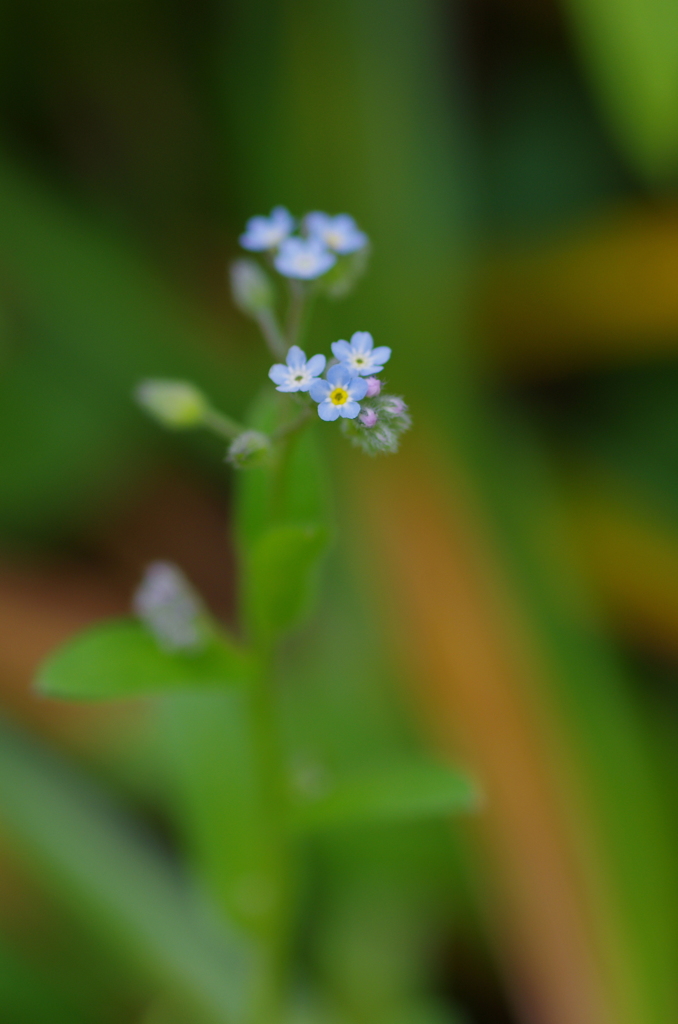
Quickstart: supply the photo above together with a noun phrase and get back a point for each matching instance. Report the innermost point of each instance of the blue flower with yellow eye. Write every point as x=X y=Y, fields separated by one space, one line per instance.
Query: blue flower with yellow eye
x=339 y=395
x=359 y=355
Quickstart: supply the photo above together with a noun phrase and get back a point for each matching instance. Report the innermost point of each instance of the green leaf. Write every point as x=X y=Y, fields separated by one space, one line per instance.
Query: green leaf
x=396 y=792
x=281 y=574
x=96 y=860
x=121 y=658
x=630 y=46
x=293 y=489
x=281 y=517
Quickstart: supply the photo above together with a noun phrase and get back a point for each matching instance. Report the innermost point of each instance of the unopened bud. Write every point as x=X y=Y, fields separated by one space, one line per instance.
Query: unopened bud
x=169 y=606
x=378 y=428
x=373 y=387
x=394 y=406
x=251 y=287
x=249 y=449
x=174 y=403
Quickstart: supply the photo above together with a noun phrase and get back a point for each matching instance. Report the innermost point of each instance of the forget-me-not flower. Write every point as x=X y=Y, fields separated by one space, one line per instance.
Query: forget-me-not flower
x=339 y=395
x=359 y=356
x=299 y=374
x=304 y=258
x=262 y=233
x=340 y=233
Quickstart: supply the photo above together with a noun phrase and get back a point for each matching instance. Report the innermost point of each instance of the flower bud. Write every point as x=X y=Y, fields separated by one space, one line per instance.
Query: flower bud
x=250 y=448
x=251 y=287
x=394 y=406
x=171 y=609
x=373 y=387
x=174 y=403
x=378 y=428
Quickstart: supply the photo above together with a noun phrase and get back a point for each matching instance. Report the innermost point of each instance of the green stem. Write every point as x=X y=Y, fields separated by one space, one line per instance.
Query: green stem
x=295 y=314
x=296 y=424
x=222 y=425
x=273 y=336
x=276 y=928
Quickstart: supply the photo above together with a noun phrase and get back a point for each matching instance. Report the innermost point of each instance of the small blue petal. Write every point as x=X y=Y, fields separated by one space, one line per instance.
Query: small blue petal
x=316 y=365
x=282 y=217
x=278 y=373
x=296 y=359
x=361 y=341
x=381 y=354
x=339 y=375
x=328 y=412
x=349 y=410
x=319 y=390
x=316 y=223
x=357 y=389
x=341 y=349
x=288 y=387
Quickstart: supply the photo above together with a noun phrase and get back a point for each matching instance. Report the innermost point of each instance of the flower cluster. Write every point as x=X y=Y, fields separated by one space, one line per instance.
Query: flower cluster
x=311 y=253
x=319 y=254
x=349 y=391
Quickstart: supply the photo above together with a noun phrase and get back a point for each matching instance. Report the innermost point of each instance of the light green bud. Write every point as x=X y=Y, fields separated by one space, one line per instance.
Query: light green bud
x=249 y=449
x=174 y=403
x=251 y=287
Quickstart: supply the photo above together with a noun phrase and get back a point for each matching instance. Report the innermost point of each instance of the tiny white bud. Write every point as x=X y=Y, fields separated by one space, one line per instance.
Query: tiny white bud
x=169 y=606
x=249 y=449
x=251 y=287
x=174 y=403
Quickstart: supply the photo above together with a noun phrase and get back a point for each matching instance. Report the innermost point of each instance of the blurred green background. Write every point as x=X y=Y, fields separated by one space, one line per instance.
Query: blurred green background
x=508 y=585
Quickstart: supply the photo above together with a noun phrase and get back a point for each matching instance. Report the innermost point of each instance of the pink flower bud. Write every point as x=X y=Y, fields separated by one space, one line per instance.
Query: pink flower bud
x=373 y=387
x=395 y=406
x=369 y=417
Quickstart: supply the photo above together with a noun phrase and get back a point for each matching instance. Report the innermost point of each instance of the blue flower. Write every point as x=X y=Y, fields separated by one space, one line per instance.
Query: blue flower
x=340 y=233
x=304 y=258
x=298 y=375
x=359 y=356
x=339 y=394
x=263 y=233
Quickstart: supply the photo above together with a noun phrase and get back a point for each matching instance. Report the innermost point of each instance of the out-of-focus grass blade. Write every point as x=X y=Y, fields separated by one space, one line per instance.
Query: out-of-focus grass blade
x=631 y=49
x=121 y=658
x=398 y=792
x=127 y=891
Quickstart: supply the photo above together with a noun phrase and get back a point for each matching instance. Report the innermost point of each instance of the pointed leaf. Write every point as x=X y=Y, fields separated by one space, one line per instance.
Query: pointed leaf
x=394 y=793
x=282 y=569
x=121 y=658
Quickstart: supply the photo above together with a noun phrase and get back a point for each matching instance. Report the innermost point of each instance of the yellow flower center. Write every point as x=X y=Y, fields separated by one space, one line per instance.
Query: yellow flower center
x=339 y=396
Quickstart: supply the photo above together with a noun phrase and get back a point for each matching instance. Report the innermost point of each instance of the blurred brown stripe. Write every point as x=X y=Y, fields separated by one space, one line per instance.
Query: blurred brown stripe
x=473 y=681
